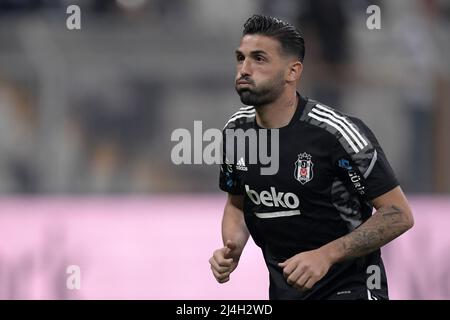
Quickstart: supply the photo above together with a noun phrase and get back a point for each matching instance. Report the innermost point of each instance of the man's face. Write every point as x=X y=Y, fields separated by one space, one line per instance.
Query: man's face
x=261 y=70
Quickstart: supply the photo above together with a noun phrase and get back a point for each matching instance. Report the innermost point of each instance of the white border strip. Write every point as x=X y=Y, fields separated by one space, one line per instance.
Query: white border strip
x=240 y=116
x=277 y=214
x=371 y=165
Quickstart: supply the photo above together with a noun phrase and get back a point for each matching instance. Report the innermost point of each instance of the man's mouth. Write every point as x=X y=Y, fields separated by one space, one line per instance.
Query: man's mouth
x=243 y=82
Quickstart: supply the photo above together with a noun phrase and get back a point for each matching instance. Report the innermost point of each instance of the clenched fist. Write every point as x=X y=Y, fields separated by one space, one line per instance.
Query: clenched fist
x=303 y=270
x=224 y=261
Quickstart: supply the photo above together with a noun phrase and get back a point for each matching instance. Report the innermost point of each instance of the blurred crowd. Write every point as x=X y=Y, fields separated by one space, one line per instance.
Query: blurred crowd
x=92 y=110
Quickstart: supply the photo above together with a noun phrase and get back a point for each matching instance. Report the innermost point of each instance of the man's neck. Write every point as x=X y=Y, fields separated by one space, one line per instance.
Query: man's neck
x=279 y=113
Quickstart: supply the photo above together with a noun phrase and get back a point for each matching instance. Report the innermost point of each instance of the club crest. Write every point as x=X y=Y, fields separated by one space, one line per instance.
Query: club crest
x=303 y=168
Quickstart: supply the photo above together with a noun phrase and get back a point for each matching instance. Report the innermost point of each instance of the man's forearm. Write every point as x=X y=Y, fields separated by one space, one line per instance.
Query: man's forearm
x=382 y=227
x=234 y=228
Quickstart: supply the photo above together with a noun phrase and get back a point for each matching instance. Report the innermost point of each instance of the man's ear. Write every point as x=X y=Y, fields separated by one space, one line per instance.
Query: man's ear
x=295 y=71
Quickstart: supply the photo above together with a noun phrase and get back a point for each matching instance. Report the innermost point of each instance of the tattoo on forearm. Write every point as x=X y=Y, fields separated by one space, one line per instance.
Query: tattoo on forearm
x=386 y=224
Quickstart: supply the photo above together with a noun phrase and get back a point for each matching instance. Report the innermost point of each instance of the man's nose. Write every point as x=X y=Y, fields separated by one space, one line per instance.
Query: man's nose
x=245 y=69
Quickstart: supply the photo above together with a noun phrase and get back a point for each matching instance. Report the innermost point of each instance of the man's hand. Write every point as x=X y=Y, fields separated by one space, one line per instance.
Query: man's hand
x=224 y=261
x=303 y=270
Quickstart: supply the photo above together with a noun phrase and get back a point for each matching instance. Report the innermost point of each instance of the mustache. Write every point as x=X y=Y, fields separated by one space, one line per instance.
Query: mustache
x=246 y=79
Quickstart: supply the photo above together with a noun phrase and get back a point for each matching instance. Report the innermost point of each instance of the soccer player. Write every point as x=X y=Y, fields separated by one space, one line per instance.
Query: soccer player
x=312 y=219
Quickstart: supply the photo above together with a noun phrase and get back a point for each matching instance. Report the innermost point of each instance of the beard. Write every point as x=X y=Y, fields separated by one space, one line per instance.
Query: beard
x=263 y=93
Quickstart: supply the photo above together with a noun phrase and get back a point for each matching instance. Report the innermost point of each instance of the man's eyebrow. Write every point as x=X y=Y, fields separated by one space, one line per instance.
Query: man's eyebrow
x=255 y=52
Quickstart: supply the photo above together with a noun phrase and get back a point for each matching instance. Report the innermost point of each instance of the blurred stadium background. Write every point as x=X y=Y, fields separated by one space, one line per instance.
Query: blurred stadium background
x=86 y=117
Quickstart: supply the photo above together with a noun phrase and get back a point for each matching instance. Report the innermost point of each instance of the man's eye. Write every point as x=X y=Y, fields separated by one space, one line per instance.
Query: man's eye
x=260 y=58
x=240 y=58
